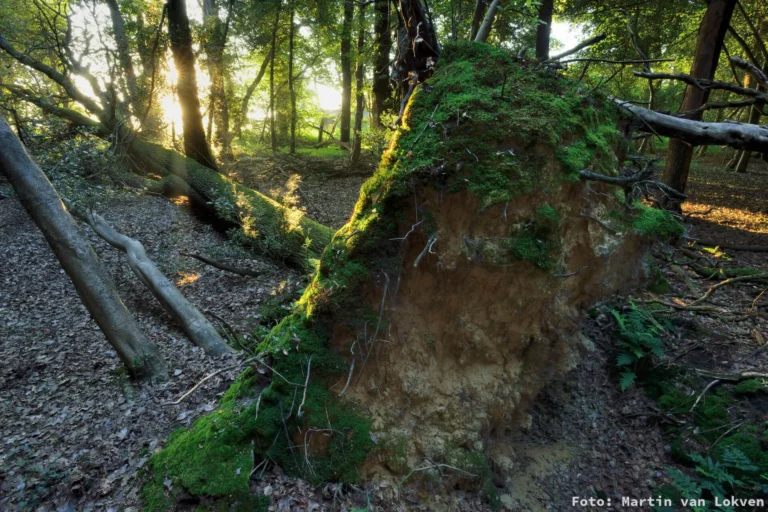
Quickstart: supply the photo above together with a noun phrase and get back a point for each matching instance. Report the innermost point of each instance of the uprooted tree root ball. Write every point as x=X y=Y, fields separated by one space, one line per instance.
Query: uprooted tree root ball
x=448 y=301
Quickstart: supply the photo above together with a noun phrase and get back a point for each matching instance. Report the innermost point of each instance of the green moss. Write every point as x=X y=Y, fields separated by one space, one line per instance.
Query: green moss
x=659 y=285
x=749 y=387
x=656 y=223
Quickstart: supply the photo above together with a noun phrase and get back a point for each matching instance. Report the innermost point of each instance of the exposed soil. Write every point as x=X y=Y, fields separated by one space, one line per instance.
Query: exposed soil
x=75 y=433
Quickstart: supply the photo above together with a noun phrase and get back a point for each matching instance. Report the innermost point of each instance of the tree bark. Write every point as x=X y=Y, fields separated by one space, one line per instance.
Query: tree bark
x=291 y=85
x=275 y=230
x=249 y=94
x=197 y=328
x=708 y=46
x=272 y=131
x=485 y=29
x=543 y=29
x=195 y=143
x=124 y=56
x=477 y=18
x=739 y=136
x=96 y=290
x=214 y=49
x=382 y=93
x=346 y=70
x=360 y=97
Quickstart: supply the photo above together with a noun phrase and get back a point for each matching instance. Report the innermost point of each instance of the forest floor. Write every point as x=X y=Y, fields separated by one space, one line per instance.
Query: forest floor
x=75 y=433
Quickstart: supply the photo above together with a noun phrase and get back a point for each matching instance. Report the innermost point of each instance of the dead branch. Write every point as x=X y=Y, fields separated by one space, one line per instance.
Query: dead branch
x=222 y=266
x=610 y=61
x=731 y=377
x=729 y=281
x=758 y=74
x=733 y=247
x=207 y=378
x=703 y=83
x=580 y=46
x=736 y=135
x=192 y=321
x=704 y=392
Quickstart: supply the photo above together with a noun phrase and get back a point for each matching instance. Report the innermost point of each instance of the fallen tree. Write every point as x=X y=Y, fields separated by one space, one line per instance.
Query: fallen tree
x=96 y=290
x=197 y=328
x=469 y=257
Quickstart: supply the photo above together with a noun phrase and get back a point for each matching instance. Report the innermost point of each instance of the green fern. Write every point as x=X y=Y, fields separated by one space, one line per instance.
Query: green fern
x=627 y=379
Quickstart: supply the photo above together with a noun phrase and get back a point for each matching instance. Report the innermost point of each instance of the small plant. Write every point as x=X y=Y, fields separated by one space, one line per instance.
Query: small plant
x=639 y=335
x=732 y=474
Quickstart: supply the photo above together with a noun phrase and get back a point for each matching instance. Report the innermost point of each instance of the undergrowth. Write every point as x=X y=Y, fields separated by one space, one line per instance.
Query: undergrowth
x=720 y=442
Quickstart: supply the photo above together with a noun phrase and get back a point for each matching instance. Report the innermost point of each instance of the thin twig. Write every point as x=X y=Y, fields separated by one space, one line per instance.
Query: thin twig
x=306 y=382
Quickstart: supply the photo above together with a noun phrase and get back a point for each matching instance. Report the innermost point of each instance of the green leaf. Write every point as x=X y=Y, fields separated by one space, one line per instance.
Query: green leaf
x=624 y=359
x=627 y=379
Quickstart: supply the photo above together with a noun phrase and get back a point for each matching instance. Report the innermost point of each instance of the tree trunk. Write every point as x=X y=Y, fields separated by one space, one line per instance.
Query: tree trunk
x=346 y=70
x=754 y=110
x=543 y=29
x=477 y=17
x=485 y=29
x=217 y=30
x=124 y=56
x=248 y=94
x=360 y=97
x=382 y=93
x=708 y=46
x=96 y=290
x=273 y=229
x=291 y=85
x=272 y=131
x=180 y=36
x=197 y=328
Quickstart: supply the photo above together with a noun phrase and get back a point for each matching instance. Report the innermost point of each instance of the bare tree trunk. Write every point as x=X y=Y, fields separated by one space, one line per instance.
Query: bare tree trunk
x=272 y=132
x=543 y=29
x=708 y=46
x=291 y=85
x=124 y=56
x=217 y=39
x=249 y=94
x=346 y=70
x=485 y=29
x=197 y=328
x=382 y=93
x=477 y=18
x=360 y=97
x=96 y=290
x=195 y=143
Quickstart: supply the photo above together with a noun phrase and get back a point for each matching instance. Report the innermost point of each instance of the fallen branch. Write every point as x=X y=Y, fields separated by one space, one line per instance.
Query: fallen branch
x=222 y=266
x=207 y=378
x=704 y=392
x=726 y=282
x=733 y=247
x=731 y=377
x=192 y=321
x=736 y=135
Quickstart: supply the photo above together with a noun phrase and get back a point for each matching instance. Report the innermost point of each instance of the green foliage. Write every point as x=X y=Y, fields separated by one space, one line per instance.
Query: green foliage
x=639 y=336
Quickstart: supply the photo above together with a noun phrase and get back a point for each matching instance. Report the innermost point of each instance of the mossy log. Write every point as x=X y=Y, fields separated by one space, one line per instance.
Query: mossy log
x=452 y=296
x=283 y=233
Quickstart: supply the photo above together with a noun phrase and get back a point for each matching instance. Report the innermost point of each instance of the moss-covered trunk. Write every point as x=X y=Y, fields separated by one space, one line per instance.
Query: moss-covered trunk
x=283 y=233
x=452 y=296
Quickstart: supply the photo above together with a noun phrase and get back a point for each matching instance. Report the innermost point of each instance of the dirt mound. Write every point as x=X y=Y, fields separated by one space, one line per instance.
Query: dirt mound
x=469 y=335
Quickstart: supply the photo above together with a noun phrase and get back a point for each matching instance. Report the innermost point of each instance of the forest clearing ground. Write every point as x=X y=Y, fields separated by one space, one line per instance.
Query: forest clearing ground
x=74 y=431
